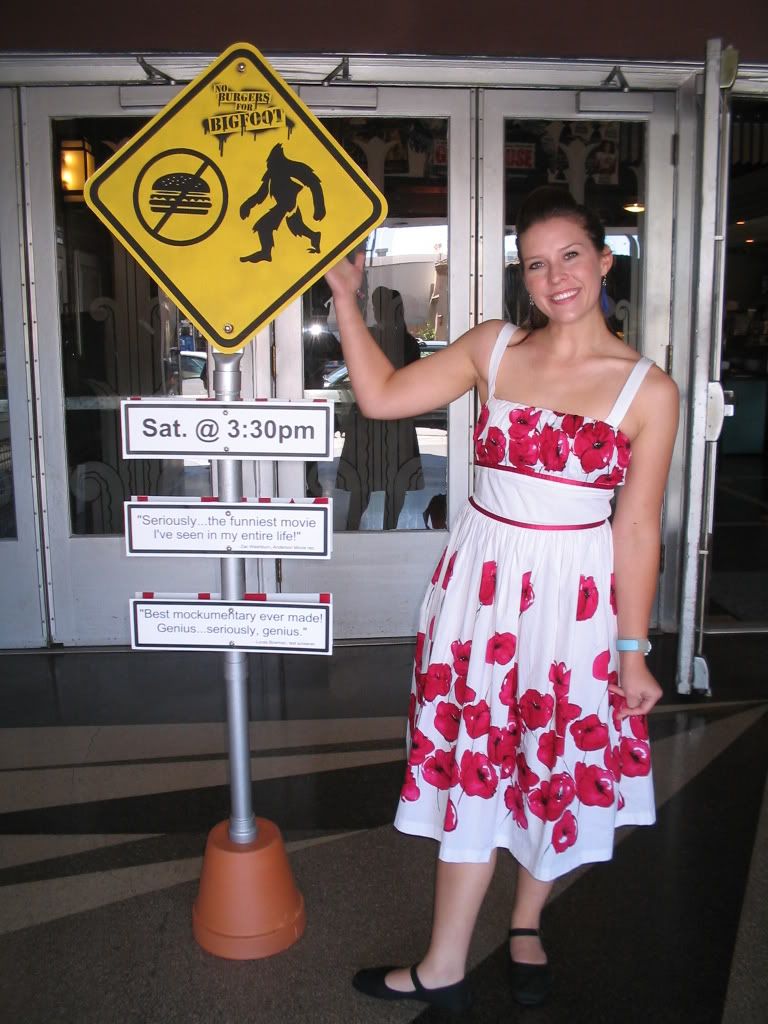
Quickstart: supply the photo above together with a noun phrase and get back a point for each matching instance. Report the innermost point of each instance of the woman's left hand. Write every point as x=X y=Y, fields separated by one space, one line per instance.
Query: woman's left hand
x=637 y=686
x=346 y=276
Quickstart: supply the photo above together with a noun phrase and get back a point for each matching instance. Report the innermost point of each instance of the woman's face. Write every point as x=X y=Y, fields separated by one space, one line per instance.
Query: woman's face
x=562 y=270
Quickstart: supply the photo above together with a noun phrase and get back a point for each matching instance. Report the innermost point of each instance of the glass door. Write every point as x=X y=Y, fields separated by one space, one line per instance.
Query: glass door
x=614 y=153
x=737 y=595
x=102 y=331
x=395 y=486
x=22 y=595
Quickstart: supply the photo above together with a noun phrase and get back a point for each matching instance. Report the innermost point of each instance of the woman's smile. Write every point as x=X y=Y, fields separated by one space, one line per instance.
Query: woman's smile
x=564 y=296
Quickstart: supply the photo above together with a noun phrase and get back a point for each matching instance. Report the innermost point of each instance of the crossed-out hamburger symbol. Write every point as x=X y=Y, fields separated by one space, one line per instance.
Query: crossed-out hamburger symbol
x=180 y=197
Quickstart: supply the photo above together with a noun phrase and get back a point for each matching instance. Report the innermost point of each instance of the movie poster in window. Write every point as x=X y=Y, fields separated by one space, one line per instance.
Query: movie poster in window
x=578 y=151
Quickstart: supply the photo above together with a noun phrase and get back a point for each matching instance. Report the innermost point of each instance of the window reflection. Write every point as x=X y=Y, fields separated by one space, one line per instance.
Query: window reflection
x=121 y=337
x=388 y=475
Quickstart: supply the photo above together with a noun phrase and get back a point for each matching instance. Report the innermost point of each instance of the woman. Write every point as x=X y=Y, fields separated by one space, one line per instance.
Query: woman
x=527 y=716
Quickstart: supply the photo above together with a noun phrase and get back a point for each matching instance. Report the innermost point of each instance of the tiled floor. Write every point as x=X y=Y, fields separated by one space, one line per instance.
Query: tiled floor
x=113 y=768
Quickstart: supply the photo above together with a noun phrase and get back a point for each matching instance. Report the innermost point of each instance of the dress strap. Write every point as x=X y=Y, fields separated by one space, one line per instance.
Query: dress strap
x=628 y=392
x=499 y=349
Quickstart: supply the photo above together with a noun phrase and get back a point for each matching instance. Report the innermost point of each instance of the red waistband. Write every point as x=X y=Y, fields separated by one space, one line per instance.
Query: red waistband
x=534 y=526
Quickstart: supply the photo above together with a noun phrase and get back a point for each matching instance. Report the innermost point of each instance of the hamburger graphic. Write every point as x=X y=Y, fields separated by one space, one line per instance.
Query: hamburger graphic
x=180 y=193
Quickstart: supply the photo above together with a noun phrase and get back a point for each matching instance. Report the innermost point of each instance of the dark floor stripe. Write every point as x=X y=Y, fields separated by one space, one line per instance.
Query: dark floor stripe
x=318 y=748
x=133 y=853
x=661 y=726
x=344 y=798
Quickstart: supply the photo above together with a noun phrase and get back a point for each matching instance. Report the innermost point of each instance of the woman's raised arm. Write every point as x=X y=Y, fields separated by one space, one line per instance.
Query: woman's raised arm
x=381 y=391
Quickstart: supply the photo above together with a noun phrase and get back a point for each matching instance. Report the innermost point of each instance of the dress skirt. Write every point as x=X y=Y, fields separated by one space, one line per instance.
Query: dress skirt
x=513 y=737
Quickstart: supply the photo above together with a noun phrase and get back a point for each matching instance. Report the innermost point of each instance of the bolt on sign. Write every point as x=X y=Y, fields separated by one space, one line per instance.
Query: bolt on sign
x=235 y=198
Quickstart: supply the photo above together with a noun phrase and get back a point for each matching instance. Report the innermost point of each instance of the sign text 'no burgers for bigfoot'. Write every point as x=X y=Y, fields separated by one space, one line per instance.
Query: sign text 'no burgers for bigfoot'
x=235 y=198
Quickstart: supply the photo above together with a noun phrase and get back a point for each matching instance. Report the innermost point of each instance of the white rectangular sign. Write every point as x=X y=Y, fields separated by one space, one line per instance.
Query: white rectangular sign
x=178 y=428
x=261 y=528
x=276 y=623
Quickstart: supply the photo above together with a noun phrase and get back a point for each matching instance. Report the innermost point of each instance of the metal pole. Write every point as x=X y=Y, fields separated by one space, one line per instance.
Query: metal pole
x=227 y=383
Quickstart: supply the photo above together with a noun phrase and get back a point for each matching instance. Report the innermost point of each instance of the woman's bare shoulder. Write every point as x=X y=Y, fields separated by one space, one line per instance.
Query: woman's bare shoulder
x=483 y=337
x=661 y=387
x=658 y=401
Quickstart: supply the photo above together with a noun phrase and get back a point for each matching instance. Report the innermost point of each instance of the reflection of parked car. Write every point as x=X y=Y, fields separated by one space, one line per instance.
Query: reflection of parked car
x=337 y=387
x=194 y=373
x=428 y=347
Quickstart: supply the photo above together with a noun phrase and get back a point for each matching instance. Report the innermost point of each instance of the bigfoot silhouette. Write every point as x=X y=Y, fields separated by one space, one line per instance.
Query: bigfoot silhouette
x=283 y=180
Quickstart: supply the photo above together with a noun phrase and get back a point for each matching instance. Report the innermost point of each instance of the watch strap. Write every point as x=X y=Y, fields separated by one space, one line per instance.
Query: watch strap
x=642 y=644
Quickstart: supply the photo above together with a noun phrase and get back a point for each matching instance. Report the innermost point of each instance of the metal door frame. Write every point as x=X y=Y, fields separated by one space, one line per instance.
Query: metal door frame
x=23 y=622
x=705 y=401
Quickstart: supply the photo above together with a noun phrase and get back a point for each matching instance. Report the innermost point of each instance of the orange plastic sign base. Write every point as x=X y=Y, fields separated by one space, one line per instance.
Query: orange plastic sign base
x=248 y=906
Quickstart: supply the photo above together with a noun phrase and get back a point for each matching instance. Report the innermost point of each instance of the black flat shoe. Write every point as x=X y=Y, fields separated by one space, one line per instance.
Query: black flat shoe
x=531 y=983
x=455 y=998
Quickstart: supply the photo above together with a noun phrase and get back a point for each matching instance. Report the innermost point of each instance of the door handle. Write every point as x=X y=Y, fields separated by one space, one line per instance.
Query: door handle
x=717 y=409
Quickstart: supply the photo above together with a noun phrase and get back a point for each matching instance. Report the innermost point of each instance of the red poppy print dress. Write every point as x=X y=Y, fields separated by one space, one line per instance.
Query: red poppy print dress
x=514 y=739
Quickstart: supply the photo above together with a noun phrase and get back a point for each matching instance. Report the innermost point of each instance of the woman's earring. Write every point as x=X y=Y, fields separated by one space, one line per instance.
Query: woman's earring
x=604 y=304
x=531 y=304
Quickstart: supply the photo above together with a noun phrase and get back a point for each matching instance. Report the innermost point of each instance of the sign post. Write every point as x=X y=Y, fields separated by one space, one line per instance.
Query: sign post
x=227 y=378
x=235 y=199
x=248 y=905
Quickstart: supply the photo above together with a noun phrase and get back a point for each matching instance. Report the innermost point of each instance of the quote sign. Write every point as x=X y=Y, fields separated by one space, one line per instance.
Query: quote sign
x=277 y=623
x=226 y=430
x=253 y=529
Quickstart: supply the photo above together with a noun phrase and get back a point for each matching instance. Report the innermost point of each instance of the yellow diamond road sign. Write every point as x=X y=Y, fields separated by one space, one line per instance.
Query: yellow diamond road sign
x=235 y=198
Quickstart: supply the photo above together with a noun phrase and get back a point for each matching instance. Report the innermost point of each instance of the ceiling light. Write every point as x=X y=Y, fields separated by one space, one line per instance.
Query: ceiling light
x=634 y=206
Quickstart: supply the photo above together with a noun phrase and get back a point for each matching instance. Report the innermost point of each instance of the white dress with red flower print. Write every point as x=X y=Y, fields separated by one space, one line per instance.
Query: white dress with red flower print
x=514 y=739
